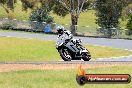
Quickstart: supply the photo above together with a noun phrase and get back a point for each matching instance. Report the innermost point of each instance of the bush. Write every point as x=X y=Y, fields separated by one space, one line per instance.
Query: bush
x=129 y=25
x=40 y=15
x=105 y=32
x=128 y=32
x=8 y=25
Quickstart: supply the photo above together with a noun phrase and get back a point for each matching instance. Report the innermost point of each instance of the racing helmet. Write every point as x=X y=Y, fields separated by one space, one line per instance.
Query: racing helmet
x=60 y=29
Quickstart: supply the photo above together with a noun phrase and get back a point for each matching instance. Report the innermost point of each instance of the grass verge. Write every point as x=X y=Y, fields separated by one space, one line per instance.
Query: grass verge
x=21 y=49
x=58 y=78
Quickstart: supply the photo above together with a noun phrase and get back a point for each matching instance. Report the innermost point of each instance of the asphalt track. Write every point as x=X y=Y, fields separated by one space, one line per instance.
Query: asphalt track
x=115 y=43
x=70 y=62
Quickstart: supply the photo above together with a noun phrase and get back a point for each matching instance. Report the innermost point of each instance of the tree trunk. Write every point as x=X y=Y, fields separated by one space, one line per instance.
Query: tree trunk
x=109 y=35
x=74 y=20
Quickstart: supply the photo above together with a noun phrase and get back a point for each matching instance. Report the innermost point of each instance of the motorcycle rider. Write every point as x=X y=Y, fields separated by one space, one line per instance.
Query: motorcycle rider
x=67 y=34
x=62 y=31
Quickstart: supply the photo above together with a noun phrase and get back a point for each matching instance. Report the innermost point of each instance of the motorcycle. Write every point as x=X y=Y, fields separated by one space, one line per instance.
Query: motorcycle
x=72 y=49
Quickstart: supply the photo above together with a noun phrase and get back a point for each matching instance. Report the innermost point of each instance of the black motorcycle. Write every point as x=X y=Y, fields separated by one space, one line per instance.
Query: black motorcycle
x=71 y=49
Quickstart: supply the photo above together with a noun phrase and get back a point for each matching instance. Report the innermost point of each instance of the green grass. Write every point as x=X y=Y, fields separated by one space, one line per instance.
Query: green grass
x=85 y=19
x=58 y=78
x=20 y=49
x=18 y=13
x=106 y=52
x=15 y=49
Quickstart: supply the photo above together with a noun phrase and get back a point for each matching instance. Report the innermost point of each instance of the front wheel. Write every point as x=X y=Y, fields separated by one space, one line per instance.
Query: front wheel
x=65 y=54
x=86 y=56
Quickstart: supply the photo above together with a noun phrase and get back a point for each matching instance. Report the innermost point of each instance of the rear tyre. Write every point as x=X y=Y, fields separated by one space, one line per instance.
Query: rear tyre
x=65 y=54
x=86 y=56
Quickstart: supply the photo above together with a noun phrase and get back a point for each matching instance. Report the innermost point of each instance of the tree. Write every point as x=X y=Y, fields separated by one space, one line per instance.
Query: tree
x=62 y=8
x=108 y=13
x=74 y=7
x=8 y=6
x=32 y=4
x=127 y=11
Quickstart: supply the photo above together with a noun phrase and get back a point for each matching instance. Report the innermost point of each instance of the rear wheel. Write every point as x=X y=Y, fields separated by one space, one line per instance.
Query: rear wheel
x=86 y=56
x=65 y=54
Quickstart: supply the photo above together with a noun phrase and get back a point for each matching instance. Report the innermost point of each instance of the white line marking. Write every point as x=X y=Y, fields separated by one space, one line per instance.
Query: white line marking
x=109 y=47
x=114 y=57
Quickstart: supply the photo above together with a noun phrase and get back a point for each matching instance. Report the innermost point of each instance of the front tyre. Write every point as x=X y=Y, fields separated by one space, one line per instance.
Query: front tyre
x=86 y=56
x=65 y=54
